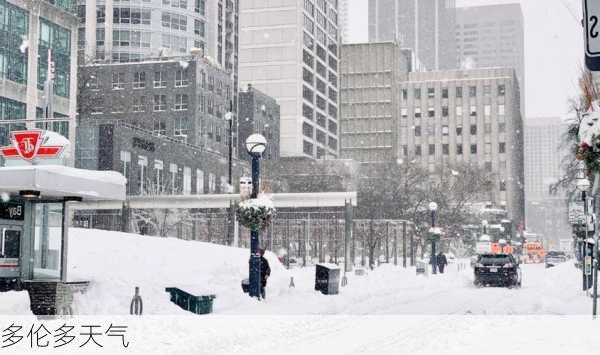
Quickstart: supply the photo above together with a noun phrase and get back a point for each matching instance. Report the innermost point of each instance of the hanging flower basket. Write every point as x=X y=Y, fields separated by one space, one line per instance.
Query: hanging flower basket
x=590 y=157
x=256 y=214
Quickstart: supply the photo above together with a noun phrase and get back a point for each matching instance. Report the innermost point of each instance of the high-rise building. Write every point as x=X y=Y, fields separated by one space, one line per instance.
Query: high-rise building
x=289 y=51
x=467 y=116
x=136 y=30
x=491 y=36
x=425 y=26
x=34 y=34
x=544 y=153
x=371 y=75
x=259 y=114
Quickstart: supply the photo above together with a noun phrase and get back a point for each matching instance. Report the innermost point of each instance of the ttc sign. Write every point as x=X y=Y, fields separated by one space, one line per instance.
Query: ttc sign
x=591 y=26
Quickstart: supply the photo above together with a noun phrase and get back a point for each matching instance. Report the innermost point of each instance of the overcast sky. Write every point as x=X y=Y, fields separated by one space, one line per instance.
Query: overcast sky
x=553 y=49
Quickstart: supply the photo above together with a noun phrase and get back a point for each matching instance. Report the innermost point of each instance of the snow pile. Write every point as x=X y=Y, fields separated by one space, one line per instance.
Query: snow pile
x=117 y=262
x=15 y=303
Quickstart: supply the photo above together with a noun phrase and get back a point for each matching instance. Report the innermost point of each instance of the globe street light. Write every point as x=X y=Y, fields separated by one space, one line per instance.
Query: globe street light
x=433 y=208
x=255 y=145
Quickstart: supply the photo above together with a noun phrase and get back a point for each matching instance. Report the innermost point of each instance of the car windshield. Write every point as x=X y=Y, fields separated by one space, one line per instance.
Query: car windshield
x=494 y=259
x=556 y=253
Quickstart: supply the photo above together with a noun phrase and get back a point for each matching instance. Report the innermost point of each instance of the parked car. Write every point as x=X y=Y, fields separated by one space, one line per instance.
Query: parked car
x=554 y=258
x=498 y=270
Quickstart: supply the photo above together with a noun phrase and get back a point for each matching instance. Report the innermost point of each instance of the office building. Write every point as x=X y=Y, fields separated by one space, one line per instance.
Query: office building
x=34 y=34
x=425 y=26
x=289 y=51
x=467 y=116
x=370 y=107
x=259 y=113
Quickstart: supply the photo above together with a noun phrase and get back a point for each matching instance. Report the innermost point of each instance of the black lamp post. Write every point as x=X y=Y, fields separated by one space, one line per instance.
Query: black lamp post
x=255 y=145
x=583 y=184
x=433 y=208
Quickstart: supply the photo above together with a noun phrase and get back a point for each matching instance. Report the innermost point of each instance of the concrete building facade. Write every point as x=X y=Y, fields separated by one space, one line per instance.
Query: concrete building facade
x=425 y=26
x=185 y=98
x=544 y=153
x=29 y=32
x=470 y=116
x=259 y=113
x=290 y=52
x=371 y=76
x=492 y=36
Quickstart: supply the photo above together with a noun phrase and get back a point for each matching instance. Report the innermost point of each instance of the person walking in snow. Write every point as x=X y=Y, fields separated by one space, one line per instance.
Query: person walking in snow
x=442 y=262
x=265 y=272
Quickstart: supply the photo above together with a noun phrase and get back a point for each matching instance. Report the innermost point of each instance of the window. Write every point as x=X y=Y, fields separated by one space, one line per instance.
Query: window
x=142 y=173
x=473 y=130
x=473 y=111
x=432 y=149
x=445 y=149
x=160 y=102
x=459 y=110
x=472 y=91
x=199 y=28
x=159 y=127
x=181 y=128
x=417 y=112
x=501 y=110
x=125 y=164
x=199 y=181
x=307 y=94
x=139 y=104
x=445 y=111
x=404 y=112
x=488 y=128
x=431 y=93
x=501 y=90
x=417 y=94
x=502 y=186
x=501 y=127
x=200 y=6
x=459 y=130
x=307 y=130
x=459 y=149
x=487 y=110
x=307 y=148
x=212 y=183
x=431 y=112
x=502 y=147
x=404 y=94
x=473 y=148
x=308 y=58
x=187 y=180
x=181 y=102
x=158 y=176
x=417 y=131
x=139 y=80
x=181 y=78
x=444 y=93
x=308 y=77
x=488 y=148
x=487 y=90
x=159 y=80
x=118 y=81
x=459 y=92
x=173 y=177
x=418 y=150
x=445 y=130
x=307 y=112
x=174 y=21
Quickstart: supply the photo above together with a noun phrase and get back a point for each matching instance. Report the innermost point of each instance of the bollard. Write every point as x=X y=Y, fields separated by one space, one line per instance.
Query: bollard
x=136 y=306
x=292 y=282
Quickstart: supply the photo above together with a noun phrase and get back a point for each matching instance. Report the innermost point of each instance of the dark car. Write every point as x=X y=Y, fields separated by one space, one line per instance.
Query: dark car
x=497 y=270
x=554 y=258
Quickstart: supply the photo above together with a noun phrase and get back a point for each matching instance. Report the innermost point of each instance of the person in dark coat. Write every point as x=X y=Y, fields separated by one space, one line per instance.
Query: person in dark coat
x=442 y=262
x=265 y=272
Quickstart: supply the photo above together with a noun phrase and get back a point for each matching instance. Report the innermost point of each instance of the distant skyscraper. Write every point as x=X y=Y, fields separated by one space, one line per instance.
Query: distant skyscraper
x=291 y=54
x=491 y=36
x=426 y=26
x=545 y=212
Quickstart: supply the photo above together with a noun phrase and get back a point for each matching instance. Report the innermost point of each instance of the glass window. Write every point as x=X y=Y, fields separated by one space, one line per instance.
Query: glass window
x=48 y=241
x=472 y=91
x=160 y=80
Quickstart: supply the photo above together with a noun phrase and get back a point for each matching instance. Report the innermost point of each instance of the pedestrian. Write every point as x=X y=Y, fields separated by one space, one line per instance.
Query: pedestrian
x=265 y=272
x=442 y=262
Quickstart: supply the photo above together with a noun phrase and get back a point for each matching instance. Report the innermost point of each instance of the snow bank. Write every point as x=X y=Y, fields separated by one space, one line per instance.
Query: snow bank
x=14 y=303
x=117 y=262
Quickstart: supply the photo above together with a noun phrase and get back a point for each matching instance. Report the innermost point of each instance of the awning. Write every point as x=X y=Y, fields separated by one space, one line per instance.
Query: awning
x=56 y=181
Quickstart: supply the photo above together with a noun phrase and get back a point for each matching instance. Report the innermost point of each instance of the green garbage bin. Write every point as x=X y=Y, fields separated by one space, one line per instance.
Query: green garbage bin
x=196 y=304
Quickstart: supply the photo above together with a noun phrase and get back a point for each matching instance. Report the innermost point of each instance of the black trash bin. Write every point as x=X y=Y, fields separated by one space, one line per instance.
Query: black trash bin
x=246 y=285
x=327 y=279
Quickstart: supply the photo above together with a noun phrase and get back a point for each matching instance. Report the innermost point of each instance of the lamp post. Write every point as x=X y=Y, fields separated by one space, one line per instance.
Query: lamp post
x=255 y=145
x=433 y=208
x=231 y=214
x=583 y=184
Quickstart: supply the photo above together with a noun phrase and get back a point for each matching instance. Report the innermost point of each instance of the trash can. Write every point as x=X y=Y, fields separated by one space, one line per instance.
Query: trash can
x=327 y=279
x=421 y=267
x=246 y=285
x=196 y=304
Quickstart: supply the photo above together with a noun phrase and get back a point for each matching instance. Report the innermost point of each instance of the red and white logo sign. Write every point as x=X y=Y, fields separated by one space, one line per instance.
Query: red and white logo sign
x=29 y=145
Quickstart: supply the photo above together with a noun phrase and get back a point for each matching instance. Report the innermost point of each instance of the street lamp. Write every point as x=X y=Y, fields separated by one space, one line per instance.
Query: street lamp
x=433 y=208
x=583 y=184
x=231 y=215
x=255 y=146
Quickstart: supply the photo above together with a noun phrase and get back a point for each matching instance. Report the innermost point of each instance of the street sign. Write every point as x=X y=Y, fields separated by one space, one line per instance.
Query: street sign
x=591 y=25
